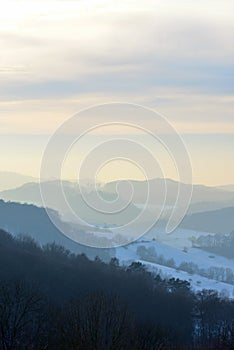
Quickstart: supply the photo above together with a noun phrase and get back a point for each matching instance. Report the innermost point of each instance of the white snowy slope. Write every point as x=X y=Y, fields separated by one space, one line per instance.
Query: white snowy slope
x=197 y=282
x=179 y=238
x=202 y=259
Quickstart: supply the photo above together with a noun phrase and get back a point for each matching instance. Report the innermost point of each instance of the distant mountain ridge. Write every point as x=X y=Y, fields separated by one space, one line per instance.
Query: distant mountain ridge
x=212 y=197
x=204 y=200
x=10 y=180
x=30 y=193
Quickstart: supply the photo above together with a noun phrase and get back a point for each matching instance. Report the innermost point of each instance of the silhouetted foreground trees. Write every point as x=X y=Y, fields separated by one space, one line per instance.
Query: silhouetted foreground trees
x=52 y=299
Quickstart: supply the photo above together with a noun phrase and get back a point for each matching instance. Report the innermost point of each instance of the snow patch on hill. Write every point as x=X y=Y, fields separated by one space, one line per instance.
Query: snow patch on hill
x=202 y=259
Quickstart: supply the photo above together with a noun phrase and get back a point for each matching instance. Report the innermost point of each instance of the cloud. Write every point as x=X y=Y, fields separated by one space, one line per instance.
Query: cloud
x=189 y=112
x=12 y=69
x=74 y=41
x=177 y=57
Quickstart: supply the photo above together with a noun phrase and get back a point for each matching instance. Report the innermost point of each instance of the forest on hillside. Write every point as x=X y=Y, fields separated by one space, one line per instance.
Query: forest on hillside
x=53 y=299
x=217 y=244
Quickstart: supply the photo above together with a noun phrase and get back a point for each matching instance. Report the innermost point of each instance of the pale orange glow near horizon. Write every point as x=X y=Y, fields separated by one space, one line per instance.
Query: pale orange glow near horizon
x=58 y=57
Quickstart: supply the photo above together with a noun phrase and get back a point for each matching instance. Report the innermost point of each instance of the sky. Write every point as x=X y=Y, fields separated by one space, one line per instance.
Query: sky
x=177 y=57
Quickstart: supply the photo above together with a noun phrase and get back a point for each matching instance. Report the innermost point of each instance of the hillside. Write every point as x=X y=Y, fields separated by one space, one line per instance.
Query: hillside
x=30 y=193
x=30 y=220
x=201 y=269
x=217 y=221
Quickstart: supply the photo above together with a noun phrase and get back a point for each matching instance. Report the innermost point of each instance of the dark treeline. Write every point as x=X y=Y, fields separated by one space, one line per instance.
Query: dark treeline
x=52 y=299
x=217 y=244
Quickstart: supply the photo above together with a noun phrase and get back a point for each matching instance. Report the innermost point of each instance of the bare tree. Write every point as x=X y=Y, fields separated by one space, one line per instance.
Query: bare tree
x=100 y=322
x=20 y=317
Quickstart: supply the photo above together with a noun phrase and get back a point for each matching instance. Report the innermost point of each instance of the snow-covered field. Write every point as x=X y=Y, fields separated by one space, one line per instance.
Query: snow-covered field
x=172 y=246
x=179 y=238
x=197 y=282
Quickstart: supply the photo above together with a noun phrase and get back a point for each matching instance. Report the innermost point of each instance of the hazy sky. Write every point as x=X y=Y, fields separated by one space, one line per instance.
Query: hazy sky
x=175 y=56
